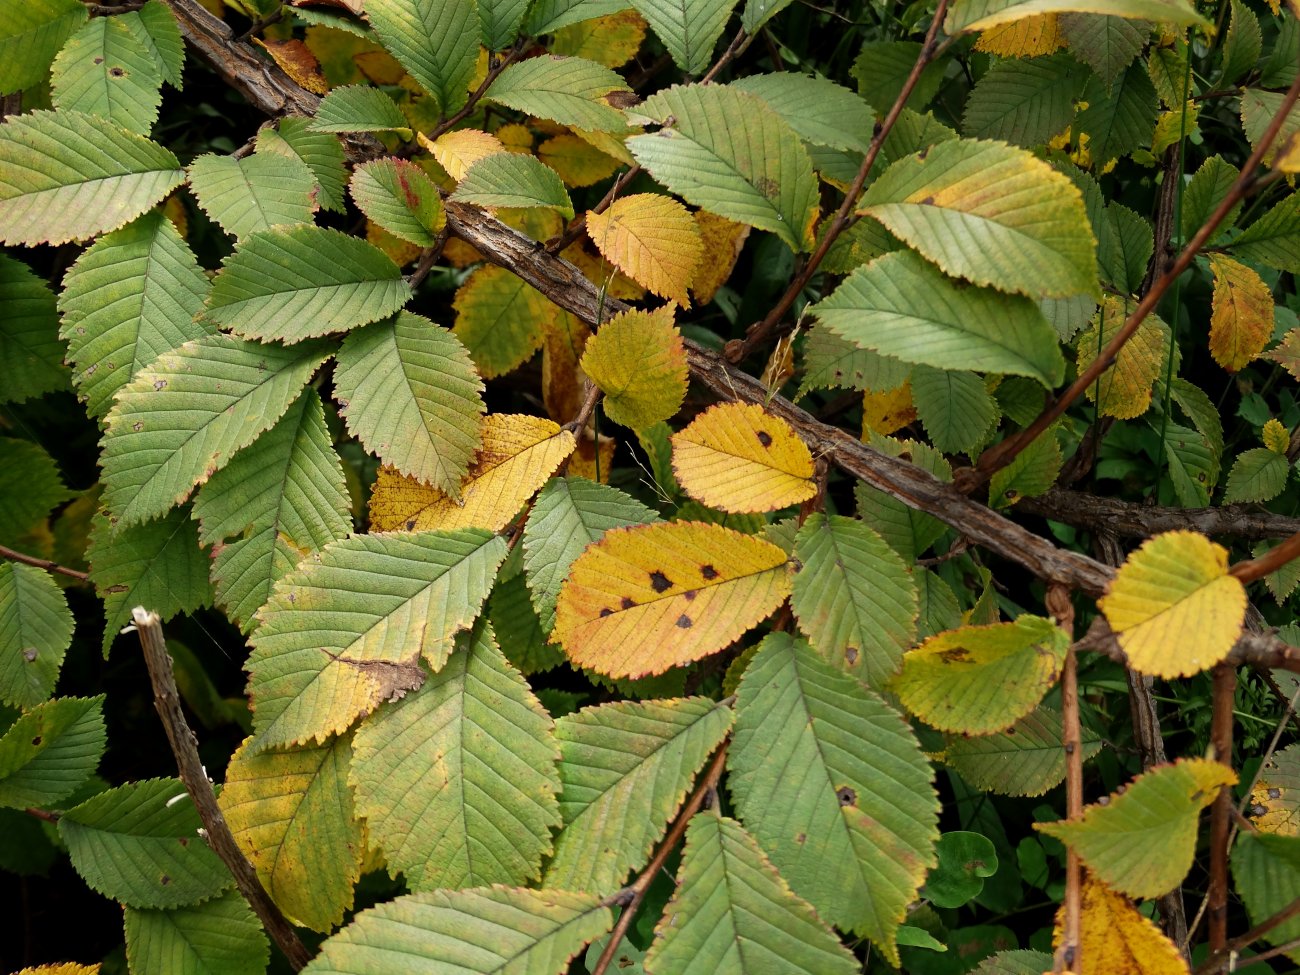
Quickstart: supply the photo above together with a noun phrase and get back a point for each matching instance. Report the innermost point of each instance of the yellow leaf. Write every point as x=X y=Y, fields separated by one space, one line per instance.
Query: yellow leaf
x=1027 y=38
x=501 y=319
x=1173 y=606
x=1174 y=125
x=457 y=151
x=62 y=968
x=577 y=162
x=639 y=362
x=562 y=377
x=1286 y=157
x=736 y=457
x=611 y=40
x=1241 y=321
x=598 y=271
x=887 y=412
x=644 y=599
x=1275 y=437
x=298 y=63
x=1275 y=798
x=339 y=55
x=1114 y=939
x=653 y=240
x=1124 y=388
x=723 y=241
x=518 y=454
x=516 y=138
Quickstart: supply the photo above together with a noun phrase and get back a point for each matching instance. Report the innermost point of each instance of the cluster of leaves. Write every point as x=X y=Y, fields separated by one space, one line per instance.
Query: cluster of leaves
x=495 y=653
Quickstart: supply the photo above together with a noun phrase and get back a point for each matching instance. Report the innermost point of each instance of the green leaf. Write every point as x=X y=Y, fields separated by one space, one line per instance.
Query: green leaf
x=570 y=514
x=1256 y=475
x=487 y=930
x=1279 y=68
x=733 y=913
x=278 y=500
x=49 y=752
x=1120 y=120
x=955 y=408
x=35 y=631
x=909 y=532
x=30 y=488
x=882 y=68
x=570 y=91
x=1027 y=759
x=345 y=631
x=1015 y=963
x=302 y=282
x=1024 y=101
x=513 y=180
x=105 y=70
x=399 y=196
x=68 y=176
x=965 y=861
x=321 y=152
x=626 y=769
x=139 y=844
x=855 y=836
x=292 y=814
x=498 y=22
x=992 y=214
x=1242 y=45
x=31 y=34
x=181 y=419
x=1124 y=248
x=854 y=597
x=820 y=111
x=409 y=392
x=523 y=640
x=1266 y=873
x=901 y=306
x=155 y=27
x=435 y=40
x=1033 y=472
x=134 y=295
x=457 y=781
x=758 y=173
x=830 y=361
x=1108 y=45
x=259 y=192
x=548 y=16
x=1282 y=581
x=1208 y=187
x=359 y=108
x=29 y=335
x=157 y=564
x=689 y=29
x=1273 y=239
x=975 y=15
x=759 y=12
x=218 y=937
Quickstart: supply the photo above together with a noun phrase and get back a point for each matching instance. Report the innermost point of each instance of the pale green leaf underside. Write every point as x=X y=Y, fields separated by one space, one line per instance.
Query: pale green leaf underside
x=570 y=91
x=830 y=361
x=435 y=40
x=183 y=418
x=301 y=282
x=50 y=751
x=689 y=28
x=1027 y=759
x=489 y=930
x=131 y=297
x=221 y=936
x=342 y=629
x=31 y=34
x=820 y=111
x=728 y=153
x=834 y=786
x=68 y=176
x=258 y=192
x=409 y=393
x=358 y=108
x=400 y=197
x=277 y=501
x=626 y=768
x=901 y=306
x=321 y=152
x=973 y=15
x=35 y=630
x=155 y=27
x=515 y=181
x=457 y=781
x=105 y=70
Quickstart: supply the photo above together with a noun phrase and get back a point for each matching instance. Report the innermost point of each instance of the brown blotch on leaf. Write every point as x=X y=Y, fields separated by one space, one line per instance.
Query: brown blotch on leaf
x=116 y=72
x=685 y=622
x=801 y=839
x=30 y=655
x=926 y=201
x=606 y=612
x=708 y=571
x=37 y=740
x=183 y=840
x=660 y=582
x=846 y=796
x=165 y=880
x=410 y=525
x=955 y=655
x=628 y=602
x=98 y=60
x=764 y=438
x=851 y=655
x=1275 y=793
x=690 y=594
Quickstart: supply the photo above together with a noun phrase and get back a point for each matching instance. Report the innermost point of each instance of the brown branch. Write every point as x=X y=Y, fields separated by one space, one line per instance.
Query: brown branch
x=1248 y=570
x=1067 y=953
x=1000 y=455
x=758 y=333
x=428 y=258
x=633 y=895
x=738 y=44
x=46 y=564
x=586 y=409
x=216 y=832
x=1225 y=687
x=42 y=814
x=1264 y=650
x=1219 y=959
x=1136 y=520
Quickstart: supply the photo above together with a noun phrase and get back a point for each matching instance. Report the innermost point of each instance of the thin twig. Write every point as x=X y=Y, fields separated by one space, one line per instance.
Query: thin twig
x=738 y=44
x=472 y=102
x=633 y=895
x=186 y=752
x=46 y=564
x=1062 y=610
x=1002 y=454
x=586 y=409
x=261 y=23
x=574 y=230
x=428 y=258
x=1248 y=570
x=42 y=814
x=1225 y=687
x=758 y=333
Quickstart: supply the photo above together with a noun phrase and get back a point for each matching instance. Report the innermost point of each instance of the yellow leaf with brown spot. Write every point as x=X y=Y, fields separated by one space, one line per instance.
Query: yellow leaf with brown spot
x=1027 y=38
x=1116 y=939
x=723 y=241
x=518 y=454
x=457 y=151
x=887 y=412
x=737 y=457
x=611 y=40
x=653 y=240
x=298 y=63
x=644 y=599
x=639 y=362
x=1124 y=390
x=1275 y=798
x=579 y=163
x=1241 y=320
x=1173 y=606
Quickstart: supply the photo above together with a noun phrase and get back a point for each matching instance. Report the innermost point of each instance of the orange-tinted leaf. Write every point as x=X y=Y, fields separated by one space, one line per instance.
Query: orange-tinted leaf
x=1241 y=322
x=653 y=240
x=736 y=457
x=457 y=151
x=518 y=454
x=611 y=40
x=298 y=63
x=562 y=378
x=887 y=412
x=644 y=599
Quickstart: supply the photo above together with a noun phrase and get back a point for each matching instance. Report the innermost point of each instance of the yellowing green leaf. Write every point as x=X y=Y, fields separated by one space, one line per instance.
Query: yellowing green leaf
x=639 y=362
x=1124 y=390
x=104 y=69
x=1027 y=37
x=291 y=813
x=501 y=318
x=1241 y=322
x=518 y=454
x=1276 y=437
x=642 y=600
x=1275 y=796
x=973 y=15
x=457 y=151
x=1141 y=842
x=1173 y=606
x=611 y=40
x=570 y=91
x=400 y=197
x=513 y=180
x=737 y=457
x=981 y=679
x=652 y=239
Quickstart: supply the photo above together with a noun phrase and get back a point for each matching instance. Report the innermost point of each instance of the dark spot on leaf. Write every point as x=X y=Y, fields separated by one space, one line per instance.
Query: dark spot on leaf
x=660 y=582
x=690 y=594
x=1275 y=793
x=410 y=525
x=165 y=880
x=160 y=384
x=846 y=796
x=685 y=622
x=851 y=655
x=137 y=426
x=926 y=201
x=37 y=740
x=116 y=72
x=606 y=612
x=708 y=571
x=955 y=655
x=764 y=438
x=98 y=61
x=30 y=655
x=801 y=839
x=1258 y=810
x=628 y=602
x=923 y=153
x=1011 y=494
x=121 y=587
x=183 y=840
